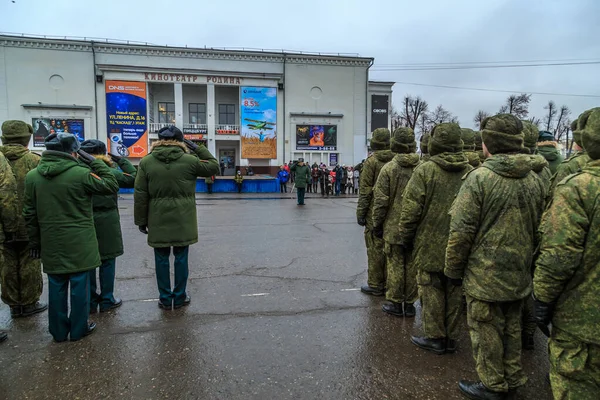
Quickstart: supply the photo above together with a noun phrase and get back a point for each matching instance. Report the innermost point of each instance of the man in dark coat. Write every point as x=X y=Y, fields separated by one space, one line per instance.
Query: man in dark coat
x=302 y=174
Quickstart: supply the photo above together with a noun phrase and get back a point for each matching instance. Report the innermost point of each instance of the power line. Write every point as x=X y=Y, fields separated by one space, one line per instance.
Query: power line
x=486 y=66
x=498 y=90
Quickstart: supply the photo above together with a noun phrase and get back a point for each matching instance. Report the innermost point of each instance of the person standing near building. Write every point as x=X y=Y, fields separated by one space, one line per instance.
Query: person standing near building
x=60 y=223
x=9 y=214
x=355 y=180
x=165 y=207
x=315 y=177
x=548 y=148
x=376 y=270
x=468 y=138
x=283 y=177
x=209 y=181
x=492 y=239
x=239 y=181
x=387 y=204
x=324 y=180
x=566 y=285
x=20 y=275
x=424 y=225
x=339 y=178
x=107 y=222
x=302 y=173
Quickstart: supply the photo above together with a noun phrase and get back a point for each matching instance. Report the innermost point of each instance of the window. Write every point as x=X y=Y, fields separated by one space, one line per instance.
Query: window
x=197 y=113
x=166 y=113
x=227 y=114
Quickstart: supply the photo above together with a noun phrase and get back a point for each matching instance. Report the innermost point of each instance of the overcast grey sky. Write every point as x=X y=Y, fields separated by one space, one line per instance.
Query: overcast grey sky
x=391 y=31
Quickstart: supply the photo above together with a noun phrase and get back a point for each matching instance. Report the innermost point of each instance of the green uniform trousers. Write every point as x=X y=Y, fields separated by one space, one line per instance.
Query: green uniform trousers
x=61 y=322
x=106 y=273
x=574 y=367
x=441 y=305
x=301 y=194
x=376 y=260
x=20 y=275
x=495 y=330
x=178 y=294
x=401 y=275
x=529 y=325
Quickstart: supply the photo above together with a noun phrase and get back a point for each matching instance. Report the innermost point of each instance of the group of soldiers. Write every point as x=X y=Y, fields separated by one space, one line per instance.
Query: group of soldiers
x=483 y=218
x=60 y=210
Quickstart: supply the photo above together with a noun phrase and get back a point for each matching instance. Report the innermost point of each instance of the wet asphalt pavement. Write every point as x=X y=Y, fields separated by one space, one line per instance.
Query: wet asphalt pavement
x=275 y=314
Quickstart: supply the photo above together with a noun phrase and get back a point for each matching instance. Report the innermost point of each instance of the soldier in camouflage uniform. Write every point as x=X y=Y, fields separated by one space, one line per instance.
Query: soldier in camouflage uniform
x=478 y=146
x=491 y=244
x=424 y=224
x=578 y=159
x=380 y=144
x=566 y=284
x=21 y=275
x=9 y=213
x=423 y=144
x=468 y=138
x=387 y=203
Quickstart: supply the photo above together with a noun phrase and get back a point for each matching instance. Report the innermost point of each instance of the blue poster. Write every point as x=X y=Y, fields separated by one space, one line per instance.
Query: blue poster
x=126 y=118
x=259 y=122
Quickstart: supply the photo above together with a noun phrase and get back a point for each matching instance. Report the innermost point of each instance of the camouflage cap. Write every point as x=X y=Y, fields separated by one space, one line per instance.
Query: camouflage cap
x=581 y=122
x=64 y=142
x=403 y=141
x=530 y=135
x=93 y=146
x=468 y=138
x=380 y=139
x=589 y=126
x=424 y=142
x=478 y=141
x=16 y=132
x=445 y=138
x=502 y=133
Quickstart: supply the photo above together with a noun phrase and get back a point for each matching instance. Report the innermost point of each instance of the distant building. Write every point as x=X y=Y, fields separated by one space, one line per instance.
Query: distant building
x=250 y=107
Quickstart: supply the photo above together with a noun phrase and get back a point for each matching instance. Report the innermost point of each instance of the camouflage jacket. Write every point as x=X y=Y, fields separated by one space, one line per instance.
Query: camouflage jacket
x=473 y=158
x=9 y=212
x=387 y=196
x=571 y=165
x=568 y=266
x=368 y=177
x=481 y=156
x=21 y=161
x=424 y=218
x=540 y=166
x=493 y=229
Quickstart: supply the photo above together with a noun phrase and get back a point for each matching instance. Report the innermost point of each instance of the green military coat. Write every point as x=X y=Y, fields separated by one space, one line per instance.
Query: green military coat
x=9 y=214
x=302 y=175
x=368 y=177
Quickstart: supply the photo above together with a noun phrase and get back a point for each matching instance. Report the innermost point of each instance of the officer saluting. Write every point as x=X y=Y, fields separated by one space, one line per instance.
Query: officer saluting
x=59 y=217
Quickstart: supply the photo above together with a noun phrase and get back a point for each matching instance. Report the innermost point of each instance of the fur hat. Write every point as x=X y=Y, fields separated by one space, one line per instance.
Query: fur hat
x=546 y=136
x=468 y=138
x=93 y=146
x=403 y=141
x=380 y=139
x=589 y=126
x=502 y=133
x=478 y=141
x=65 y=142
x=424 y=143
x=170 y=133
x=530 y=135
x=580 y=124
x=445 y=138
x=16 y=132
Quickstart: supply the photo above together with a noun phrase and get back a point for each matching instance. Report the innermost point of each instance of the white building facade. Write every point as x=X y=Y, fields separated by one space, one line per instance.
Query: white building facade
x=250 y=107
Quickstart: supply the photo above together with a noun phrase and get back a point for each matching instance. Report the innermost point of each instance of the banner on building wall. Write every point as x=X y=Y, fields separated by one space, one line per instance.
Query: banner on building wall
x=259 y=122
x=379 y=111
x=333 y=159
x=42 y=127
x=126 y=118
x=316 y=137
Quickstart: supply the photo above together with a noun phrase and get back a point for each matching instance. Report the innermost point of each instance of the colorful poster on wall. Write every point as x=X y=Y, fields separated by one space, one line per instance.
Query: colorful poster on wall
x=316 y=137
x=42 y=127
x=259 y=122
x=333 y=159
x=126 y=118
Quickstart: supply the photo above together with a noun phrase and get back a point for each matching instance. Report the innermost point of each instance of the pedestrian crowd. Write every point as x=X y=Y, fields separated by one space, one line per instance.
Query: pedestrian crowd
x=496 y=220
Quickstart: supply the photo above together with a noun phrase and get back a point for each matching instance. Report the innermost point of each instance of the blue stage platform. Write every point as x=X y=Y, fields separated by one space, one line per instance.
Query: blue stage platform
x=226 y=184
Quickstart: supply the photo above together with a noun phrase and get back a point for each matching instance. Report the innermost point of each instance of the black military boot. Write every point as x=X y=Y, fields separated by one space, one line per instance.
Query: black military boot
x=16 y=311
x=37 y=307
x=186 y=302
x=366 y=289
x=409 y=310
x=437 y=346
x=3 y=336
x=115 y=304
x=450 y=345
x=528 y=342
x=393 y=308
x=477 y=391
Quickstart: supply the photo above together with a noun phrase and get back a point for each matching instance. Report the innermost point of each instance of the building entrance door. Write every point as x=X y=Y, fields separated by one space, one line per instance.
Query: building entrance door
x=227 y=161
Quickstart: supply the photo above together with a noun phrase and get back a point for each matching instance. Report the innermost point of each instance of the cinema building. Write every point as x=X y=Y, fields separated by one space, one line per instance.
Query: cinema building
x=250 y=107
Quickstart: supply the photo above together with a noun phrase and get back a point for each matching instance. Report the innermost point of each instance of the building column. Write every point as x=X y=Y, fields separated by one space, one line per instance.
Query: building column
x=210 y=118
x=178 y=92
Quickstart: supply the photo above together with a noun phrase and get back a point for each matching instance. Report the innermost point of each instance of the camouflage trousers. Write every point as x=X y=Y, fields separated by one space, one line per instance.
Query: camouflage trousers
x=529 y=325
x=495 y=330
x=441 y=305
x=574 y=367
x=20 y=275
x=376 y=259
x=401 y=275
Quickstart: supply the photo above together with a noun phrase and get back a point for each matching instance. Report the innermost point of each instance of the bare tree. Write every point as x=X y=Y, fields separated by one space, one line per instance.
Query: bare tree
x=440 y=115
x=563 y=124
x=535 y=120
x=412 y=108
x=550 y=115
x=479 y=117
x=517 y=105
x=425 y=124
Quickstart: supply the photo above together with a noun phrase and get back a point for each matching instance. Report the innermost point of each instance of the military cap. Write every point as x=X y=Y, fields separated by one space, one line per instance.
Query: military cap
x=170 y=133
x=403 y=141
x=445 y=138
x=65 y=142
x=530 y=135
x=16 y=132
x=93 y=146
x=502 y=133
x=468 y=138
x=589 y=126
x=380 y=139
x=546 y=136
x=424 y=142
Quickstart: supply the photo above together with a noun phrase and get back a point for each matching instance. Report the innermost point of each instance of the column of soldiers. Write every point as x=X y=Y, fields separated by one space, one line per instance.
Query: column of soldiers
x=481 y=215
x=60 y=211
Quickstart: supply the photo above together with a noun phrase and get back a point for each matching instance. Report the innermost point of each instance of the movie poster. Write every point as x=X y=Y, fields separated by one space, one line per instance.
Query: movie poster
x=126 y=118
x=42 y=127
x=316 y=137
x=259 y=122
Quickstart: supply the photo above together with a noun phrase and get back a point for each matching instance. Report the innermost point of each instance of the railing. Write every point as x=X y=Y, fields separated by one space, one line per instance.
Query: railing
x=154 y=127
x=227 y=129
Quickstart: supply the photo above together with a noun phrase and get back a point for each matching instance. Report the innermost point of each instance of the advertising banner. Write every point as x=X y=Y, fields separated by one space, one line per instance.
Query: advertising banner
x=196 y=133
x=333 y=159
x=42 y=127
x=126 y=118
x=316 y=137
x=259 y=122
x=379 y=111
